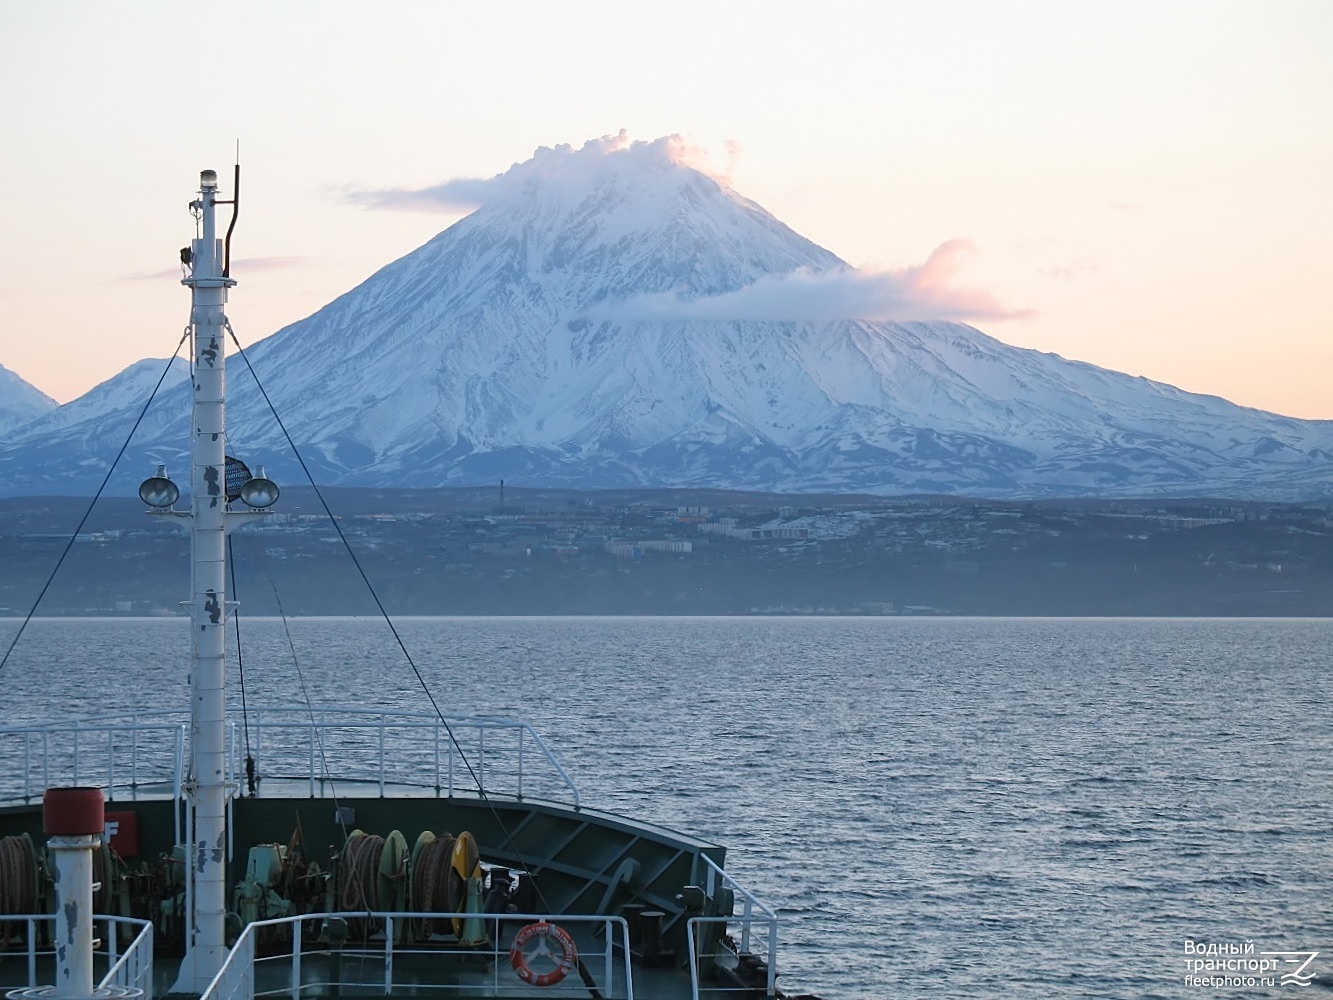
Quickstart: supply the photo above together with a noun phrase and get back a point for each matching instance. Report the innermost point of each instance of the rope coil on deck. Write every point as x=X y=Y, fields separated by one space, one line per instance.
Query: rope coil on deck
x=359 y=872
x=18 y=875
x=430 y=878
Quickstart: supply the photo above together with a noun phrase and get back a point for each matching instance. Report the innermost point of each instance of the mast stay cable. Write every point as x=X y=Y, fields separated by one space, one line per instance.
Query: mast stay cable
x=240 y=671
x=93 y=503
x=402 y=646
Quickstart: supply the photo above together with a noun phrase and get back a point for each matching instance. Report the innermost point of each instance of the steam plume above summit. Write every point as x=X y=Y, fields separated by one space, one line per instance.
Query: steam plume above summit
x=611 y=316
x=558 y=166
x=921 y=292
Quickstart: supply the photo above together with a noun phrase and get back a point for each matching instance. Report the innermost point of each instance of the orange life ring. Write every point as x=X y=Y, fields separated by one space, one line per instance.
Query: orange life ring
x=563 y=958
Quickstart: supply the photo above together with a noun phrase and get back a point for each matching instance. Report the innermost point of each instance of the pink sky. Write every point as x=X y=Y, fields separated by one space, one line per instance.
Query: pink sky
x=1141 y=186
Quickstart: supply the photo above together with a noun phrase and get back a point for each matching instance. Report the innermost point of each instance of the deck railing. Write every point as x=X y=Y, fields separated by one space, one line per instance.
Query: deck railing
x=130 y=969
x=327 y=749
x=308 y=969
x=453 y=757
x=756 y=923
x=134 y=968
x=121 y=755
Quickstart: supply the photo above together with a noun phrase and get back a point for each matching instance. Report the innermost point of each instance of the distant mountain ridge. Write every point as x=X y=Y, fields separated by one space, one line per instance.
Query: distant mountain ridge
x=20 y=402
x=573 y=331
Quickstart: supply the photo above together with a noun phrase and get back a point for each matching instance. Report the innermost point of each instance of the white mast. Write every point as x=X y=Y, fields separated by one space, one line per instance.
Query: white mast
x=206 y=923
x=208 y=784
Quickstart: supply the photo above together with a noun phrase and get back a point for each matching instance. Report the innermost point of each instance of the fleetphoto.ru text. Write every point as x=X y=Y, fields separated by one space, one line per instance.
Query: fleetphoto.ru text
x=1231 y=964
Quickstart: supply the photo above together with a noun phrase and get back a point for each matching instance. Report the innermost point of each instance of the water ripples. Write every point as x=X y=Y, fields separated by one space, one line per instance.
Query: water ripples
x=967 y=807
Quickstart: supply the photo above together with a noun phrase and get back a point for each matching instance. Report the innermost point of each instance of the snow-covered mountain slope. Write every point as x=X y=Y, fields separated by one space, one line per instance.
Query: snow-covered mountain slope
x=69 y=450
x=20 y=403
x=584 y=327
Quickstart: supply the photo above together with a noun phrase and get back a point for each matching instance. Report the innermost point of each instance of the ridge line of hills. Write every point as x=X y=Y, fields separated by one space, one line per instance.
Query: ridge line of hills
x=520 y=551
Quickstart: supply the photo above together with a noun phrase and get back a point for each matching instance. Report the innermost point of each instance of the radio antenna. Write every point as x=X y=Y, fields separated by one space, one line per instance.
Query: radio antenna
x=235 y=211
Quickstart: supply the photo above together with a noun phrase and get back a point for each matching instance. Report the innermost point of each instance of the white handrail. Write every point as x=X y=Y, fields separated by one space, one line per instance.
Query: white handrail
x=719 y=878
x=396 y=743
x=691 y=937
x=64 y=752
x=131 y=968
x=375 y=749
x=134 y=969
x=236 y=979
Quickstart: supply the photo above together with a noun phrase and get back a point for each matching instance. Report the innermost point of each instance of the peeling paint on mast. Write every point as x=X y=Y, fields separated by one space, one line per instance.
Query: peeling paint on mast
x=208 y=522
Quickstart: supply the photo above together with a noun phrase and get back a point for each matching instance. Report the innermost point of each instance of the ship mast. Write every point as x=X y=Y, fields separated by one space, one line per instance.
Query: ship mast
x=206 y=929
x=208 y=785
x=208 y=514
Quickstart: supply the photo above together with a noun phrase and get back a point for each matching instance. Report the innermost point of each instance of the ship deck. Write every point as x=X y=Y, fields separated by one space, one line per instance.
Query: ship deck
x=651 y=912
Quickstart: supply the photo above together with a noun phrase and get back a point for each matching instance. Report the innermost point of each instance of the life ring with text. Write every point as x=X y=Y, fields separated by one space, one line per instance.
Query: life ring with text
x=543 y=946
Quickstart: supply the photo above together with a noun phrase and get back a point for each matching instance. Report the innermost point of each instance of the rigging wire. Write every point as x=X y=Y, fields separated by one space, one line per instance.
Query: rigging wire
x=93 y=503
x=402 y=646
x=316 y=731
x=326 y=774
x=240 y=670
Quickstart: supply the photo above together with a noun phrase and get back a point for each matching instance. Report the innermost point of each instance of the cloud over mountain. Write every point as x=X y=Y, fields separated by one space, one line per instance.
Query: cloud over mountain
x=611 y=316
x=921 y=293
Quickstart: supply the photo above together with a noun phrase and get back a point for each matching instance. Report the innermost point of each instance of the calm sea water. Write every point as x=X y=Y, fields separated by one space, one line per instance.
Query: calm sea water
x=968 y=808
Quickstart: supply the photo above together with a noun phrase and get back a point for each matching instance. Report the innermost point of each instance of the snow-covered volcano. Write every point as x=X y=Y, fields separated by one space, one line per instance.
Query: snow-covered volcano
x=612 y=316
